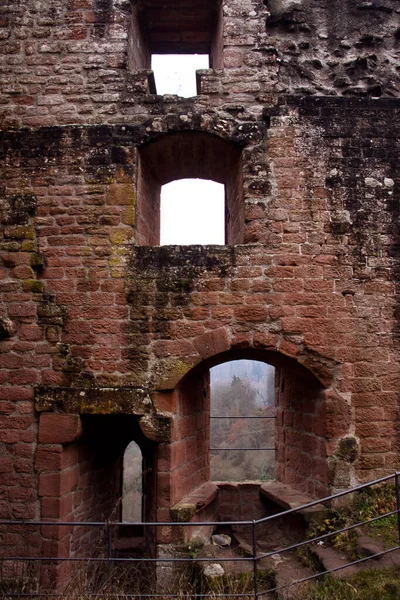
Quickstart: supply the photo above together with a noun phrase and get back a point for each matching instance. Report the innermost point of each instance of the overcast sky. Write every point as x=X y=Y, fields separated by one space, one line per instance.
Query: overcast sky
x=192 y=210
x=176 y=74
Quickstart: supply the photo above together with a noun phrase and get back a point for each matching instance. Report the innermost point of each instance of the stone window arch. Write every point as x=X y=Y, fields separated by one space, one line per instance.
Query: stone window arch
x=188 y=154
x=302 y=433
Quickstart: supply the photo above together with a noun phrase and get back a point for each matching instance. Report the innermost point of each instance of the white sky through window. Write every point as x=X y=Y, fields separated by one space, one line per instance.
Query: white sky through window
x=176 y=73
x=192 y=212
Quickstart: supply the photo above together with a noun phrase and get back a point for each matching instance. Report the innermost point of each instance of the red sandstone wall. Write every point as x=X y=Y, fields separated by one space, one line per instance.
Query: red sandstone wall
x=183 y=465
x=95 y=83
x=267 y=51
x=83 y=306
x=240 y=501
x=302 y=434
x=139 y=56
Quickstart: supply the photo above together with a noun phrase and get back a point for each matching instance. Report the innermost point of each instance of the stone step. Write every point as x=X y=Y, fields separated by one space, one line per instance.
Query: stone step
x=366 y=546
x=328 y=558
x=288 y=570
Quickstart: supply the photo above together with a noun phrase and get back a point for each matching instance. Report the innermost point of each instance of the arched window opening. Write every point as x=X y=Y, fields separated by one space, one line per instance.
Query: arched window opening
x=242 y=429
x=192 y=212
x=132 y=484
x=189 y=155
x=176 y=73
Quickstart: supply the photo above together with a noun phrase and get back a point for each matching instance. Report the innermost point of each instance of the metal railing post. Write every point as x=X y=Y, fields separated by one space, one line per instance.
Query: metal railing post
x=255 y=582
x=397 y=474
x=109 y=541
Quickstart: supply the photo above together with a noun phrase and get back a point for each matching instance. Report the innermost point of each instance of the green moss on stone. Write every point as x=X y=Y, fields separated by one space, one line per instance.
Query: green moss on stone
x=28 y=246
x=182 y=513
x=34 y=286
x=22 y=232
x=37 y=261
x=347 y=449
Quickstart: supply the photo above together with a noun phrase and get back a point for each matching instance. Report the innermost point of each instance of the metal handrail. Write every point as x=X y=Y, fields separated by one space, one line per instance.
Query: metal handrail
x=255 y=558
x=245 y=417
x=241 y=449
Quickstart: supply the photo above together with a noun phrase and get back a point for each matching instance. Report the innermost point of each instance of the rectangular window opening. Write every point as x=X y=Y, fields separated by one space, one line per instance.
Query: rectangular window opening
x=188 y=28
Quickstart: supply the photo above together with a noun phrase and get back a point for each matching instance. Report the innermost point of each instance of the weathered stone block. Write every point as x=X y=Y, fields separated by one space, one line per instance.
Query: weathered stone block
x=59 y=429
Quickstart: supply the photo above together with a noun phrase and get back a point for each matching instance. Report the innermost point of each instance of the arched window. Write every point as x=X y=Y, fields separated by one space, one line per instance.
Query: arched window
x=242 y=436
x=189 y=155
x=132 y=484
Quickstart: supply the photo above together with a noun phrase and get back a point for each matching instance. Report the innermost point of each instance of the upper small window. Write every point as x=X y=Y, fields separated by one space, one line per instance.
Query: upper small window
x=187 y=27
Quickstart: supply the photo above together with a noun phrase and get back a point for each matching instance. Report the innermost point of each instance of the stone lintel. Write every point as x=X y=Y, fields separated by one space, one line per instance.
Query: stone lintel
x=93 y=401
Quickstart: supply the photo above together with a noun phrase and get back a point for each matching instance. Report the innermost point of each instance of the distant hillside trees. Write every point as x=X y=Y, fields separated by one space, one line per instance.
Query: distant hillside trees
x=249 y=392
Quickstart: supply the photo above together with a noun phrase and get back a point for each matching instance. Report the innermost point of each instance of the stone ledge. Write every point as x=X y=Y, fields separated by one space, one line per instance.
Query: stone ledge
x=93 y=401
x=199 y=499
x=288 y=498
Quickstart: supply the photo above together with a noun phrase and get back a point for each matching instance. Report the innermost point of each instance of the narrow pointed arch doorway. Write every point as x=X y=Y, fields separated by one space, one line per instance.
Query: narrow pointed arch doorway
x=132 y=484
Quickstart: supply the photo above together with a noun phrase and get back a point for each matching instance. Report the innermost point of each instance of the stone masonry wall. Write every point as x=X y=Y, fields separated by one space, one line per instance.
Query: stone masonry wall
x=92 y=82
x=86 y=307
x=68 y=63
x=335 y=47
x=96 y=323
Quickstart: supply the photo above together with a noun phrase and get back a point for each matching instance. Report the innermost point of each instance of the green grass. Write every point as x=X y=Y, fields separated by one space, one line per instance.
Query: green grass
x=376 y=501
x=367 y=504
x=369 y=585
x=384 y=531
